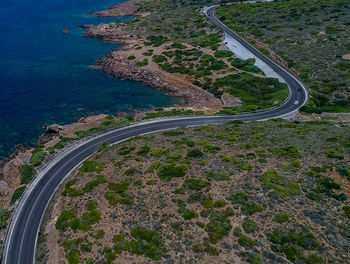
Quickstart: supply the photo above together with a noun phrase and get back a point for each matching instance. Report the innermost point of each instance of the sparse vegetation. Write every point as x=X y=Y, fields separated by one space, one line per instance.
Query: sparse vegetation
x=304 y=25
x=190 y=185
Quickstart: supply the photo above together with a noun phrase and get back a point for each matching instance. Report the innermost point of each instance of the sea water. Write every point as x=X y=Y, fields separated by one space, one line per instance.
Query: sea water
x=45 y=75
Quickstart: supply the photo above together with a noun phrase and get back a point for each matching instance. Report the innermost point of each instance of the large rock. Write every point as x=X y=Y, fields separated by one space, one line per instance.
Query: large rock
x=53 y=129
x=229 y=100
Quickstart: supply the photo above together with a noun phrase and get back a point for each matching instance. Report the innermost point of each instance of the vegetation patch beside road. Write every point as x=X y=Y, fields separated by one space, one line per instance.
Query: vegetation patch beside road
x=201 y=194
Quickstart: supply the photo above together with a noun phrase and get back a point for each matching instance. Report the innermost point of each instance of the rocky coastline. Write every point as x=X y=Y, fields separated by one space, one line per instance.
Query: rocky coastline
x=128 y=8
x=117 y=64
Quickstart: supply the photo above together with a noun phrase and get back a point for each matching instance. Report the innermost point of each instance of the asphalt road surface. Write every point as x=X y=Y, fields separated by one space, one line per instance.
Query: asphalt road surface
x=20 y=246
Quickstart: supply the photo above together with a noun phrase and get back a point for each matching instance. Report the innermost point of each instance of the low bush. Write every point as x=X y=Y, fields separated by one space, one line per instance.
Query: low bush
x=142 y=63
x=195 y=184
x=62 y=220
x=194 y=153
x=280 y=184
x=17 y=194
x=293 y=245
x=27 y=173
x=91 y=166
x=217 y=176
x=4 y=216
x=249 y=226
x=169 y=170
x=38 y=156
x=159 y=58
x=218 y=226
x=282 y=218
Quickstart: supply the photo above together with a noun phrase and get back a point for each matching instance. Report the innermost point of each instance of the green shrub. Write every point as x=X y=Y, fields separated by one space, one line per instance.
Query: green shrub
x=17 y=194
x=62 y=220
x=125 y=150
x=170 y=170
x=74 y=223
x=195 y=184
x=27 y=173
x=205 y=247
x=151 y=182
x=92 y=217
x=100 y=234
x=249 y=226
x=4 y=216
x=38 y=156
x=346 y=210
x=194 y=153
x=132 y=57
x=219 y=203
x=142 y=63
x=189 y=214
x=217 y=176
x=245 y=65
x=71 y=192
x=109 y=255
x=120 y=188
x=130 y=171
x=159 y=58
x=73 y=256
x=326 y=186
x=280 y=184
x=293 y=245
x=154 y=166
x=223 y=54
x=148 y=53
x=91 y=205
x=207 y=203
x=157 y=152
x=90 y=186
x=246 y=242
x=334 y=153
x=103 y=147
x=239 y=198
x=147 y=243
x=218 y=226
x=156 y=41
x=247 y=208
x=143 y=150
x=90 y=166
x=282 y=218
x=264 y=51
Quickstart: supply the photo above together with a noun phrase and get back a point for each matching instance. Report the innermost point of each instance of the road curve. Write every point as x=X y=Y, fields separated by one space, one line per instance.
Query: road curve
x=20 y=245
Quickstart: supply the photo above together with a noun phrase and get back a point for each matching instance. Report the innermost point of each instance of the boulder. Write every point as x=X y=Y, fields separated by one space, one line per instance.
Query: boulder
x=52 y=129
x=229 y=100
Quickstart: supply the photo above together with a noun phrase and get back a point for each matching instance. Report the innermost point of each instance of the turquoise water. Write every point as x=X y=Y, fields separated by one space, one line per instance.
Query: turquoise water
x=45 y=76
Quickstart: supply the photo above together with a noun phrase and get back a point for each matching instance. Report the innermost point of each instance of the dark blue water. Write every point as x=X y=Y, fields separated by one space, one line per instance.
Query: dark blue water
x=44 y=74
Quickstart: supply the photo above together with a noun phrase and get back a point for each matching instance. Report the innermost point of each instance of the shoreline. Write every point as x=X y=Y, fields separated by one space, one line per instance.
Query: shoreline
x=118 y=65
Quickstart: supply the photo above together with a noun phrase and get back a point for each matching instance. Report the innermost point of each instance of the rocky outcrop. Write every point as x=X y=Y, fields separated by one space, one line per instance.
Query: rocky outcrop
x=346 y=57
x=52 y=129
x=122 y=9
x=108 y=33
x=118 y=66
x=230 y=101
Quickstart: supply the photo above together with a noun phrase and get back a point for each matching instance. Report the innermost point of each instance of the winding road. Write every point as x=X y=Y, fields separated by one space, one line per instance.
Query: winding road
x=20 y=245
